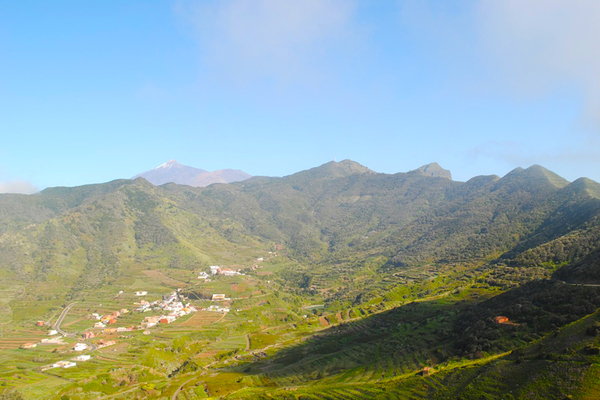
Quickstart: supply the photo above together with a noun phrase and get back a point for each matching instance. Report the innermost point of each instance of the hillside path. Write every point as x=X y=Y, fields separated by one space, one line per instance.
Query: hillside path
x=60 y=319
x=180 y=388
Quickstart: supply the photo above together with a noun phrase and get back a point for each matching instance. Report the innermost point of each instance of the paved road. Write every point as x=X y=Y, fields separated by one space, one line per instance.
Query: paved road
x=60 y=319
x=181 y=387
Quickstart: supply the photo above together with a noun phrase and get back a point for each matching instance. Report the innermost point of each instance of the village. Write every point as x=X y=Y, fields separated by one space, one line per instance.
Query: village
x=167 y=310
x=171 y=307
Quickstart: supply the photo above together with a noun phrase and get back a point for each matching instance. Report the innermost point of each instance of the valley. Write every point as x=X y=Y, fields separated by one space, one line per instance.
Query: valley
x=336 y=282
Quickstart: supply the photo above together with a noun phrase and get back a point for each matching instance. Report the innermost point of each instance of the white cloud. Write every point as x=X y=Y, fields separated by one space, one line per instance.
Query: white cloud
x=544 y=45
x=527 y=49
x=17 y=187
x=520 y=154
x=286 y=41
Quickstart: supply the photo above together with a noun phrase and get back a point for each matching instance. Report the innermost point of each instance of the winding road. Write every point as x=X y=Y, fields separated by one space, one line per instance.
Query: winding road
x=180 y=388
x=60 y=319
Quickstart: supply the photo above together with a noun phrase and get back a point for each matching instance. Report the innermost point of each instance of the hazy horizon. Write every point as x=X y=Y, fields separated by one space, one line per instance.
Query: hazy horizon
x=97 y=92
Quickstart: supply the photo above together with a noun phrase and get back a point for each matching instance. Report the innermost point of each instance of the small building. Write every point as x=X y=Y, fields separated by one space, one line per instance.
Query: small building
x=80 y=347
x=52 y=332
x=141 y=293
x=427 y=371
x=167 y=319
x=64 y=364
x=214 y=269
x=41 y=323
x=501 y=319
x=218 y=297
x=203 y=275
x=83 y=357
x=88 y=335
x=99 y=325
x=105 y=343
x=112 y=321
x=154 y=319
x=28 y=345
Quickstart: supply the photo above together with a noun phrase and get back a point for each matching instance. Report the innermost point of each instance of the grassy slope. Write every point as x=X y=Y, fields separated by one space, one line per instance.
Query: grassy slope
x=367 y=244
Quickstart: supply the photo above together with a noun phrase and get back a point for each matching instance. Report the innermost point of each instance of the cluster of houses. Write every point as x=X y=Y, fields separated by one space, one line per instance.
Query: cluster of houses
x=170 y=305
x=217 y=270
x=108 y=319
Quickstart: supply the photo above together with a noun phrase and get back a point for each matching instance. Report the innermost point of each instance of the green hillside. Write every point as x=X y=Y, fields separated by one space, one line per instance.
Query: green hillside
x=345 y=283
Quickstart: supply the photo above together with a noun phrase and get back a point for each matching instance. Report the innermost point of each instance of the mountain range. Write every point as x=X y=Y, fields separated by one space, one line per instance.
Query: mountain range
x=367 y=279
x=173 y=172
x=337 y=210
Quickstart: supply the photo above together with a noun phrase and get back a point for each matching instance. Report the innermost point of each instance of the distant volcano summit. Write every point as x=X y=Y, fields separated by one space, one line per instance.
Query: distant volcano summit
x=172 y=171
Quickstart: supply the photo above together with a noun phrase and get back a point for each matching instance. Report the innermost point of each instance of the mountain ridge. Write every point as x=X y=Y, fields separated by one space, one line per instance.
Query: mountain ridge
x=174 y=172
x=414 y=268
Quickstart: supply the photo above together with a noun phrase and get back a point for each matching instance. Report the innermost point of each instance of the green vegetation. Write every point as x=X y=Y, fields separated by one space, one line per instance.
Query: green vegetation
x=353 y=282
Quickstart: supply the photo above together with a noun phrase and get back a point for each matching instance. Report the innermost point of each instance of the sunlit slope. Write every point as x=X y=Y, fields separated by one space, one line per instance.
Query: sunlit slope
x=85 y=236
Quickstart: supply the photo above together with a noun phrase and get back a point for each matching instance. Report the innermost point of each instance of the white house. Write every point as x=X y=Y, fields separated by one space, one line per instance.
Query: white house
x=80 y=347
x=83 y=357
x=141 y=293
x=64 y=364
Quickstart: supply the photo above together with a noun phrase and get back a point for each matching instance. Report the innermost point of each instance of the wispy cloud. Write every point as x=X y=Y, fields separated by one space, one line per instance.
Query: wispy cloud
x=543 y=45
x=526 y=49
x=520 y=154
x=22 y=187
x=286 y=41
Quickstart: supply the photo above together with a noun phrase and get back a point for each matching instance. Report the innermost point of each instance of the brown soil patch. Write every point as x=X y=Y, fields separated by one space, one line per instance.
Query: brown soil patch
x=324 y=321
x=15 y=343
x=339 y=318
x=206 y=354
x=202 y=318
x=264 y=273
x=238 y=287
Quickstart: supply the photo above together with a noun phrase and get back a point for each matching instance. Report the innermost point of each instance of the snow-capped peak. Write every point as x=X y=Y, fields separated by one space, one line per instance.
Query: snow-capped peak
x=168 y=164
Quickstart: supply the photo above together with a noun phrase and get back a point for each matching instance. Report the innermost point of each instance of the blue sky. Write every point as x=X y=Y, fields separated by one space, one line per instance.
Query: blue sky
x=99 y=90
